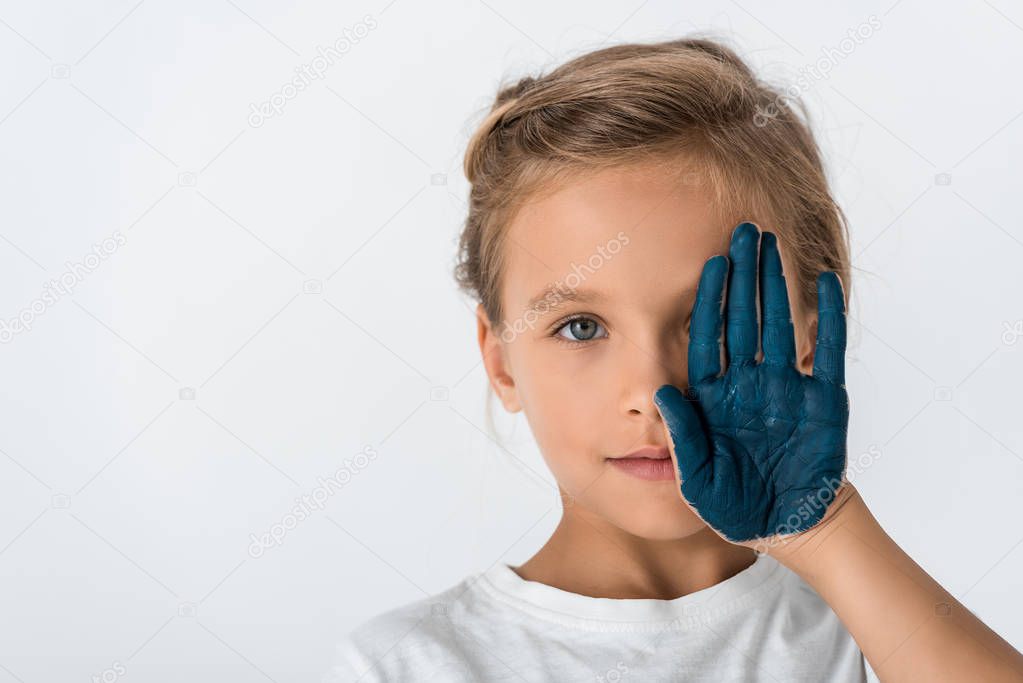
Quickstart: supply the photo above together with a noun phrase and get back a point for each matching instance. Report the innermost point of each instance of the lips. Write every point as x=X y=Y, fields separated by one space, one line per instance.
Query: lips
x=649 y=452
x=652 y=463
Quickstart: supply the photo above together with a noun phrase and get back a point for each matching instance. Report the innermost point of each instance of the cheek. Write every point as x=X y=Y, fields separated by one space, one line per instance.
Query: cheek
x=562 y=411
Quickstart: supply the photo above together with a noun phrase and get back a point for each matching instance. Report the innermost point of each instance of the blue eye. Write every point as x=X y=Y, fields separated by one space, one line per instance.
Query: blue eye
x=583 y=329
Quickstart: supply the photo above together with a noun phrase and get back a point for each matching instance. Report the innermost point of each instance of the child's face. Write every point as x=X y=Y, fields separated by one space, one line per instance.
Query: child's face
x=637 y=237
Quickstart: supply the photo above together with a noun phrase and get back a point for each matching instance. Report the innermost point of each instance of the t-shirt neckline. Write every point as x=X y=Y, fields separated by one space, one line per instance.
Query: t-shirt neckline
x=540 y=599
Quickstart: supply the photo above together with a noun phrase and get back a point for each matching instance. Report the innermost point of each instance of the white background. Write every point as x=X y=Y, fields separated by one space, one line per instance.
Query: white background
x=296 y=277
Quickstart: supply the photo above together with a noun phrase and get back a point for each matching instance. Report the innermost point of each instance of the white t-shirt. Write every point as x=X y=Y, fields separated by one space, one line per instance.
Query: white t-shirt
x=763 y=624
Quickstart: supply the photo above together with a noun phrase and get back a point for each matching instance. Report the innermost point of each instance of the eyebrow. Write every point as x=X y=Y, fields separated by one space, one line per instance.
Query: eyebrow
x=562 y=295
x=557 y=294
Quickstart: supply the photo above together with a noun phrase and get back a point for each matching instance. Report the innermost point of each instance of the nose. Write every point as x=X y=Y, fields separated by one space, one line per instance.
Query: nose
x=646 y=368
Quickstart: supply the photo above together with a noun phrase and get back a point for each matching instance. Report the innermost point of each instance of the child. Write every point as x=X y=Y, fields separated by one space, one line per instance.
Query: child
x=698 y=438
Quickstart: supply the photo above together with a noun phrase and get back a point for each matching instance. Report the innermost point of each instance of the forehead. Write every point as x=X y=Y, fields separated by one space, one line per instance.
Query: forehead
x=624 y=231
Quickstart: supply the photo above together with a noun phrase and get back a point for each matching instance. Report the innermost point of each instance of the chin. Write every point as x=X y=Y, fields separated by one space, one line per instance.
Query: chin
x=655 y=526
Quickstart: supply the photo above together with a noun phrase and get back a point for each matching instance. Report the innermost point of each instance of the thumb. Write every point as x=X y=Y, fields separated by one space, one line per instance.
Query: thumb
x=692 y=455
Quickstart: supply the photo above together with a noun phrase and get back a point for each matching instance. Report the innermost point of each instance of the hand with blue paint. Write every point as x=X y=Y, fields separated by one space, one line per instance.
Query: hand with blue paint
x=760 y=448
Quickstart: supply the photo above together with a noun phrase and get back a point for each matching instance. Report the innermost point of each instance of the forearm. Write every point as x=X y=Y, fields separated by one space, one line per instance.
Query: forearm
x=906 y=624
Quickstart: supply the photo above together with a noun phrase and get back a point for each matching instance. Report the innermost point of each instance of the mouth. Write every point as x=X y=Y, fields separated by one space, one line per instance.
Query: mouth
x=646 y=452
x=650 y=463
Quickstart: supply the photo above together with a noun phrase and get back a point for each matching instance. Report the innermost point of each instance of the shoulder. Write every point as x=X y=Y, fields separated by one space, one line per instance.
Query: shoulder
x=405 y=642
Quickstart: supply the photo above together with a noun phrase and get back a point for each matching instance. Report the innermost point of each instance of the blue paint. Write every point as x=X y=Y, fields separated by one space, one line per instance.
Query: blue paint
x=761 y=448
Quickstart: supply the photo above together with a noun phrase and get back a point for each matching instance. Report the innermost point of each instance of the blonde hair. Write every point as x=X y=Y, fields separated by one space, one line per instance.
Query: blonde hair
x=692 y=100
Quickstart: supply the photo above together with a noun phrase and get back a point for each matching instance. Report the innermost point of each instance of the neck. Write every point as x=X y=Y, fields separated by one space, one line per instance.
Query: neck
x=589 y=556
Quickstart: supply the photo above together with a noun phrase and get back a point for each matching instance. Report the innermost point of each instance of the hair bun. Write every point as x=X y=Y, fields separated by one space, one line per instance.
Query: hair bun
x=515 y=91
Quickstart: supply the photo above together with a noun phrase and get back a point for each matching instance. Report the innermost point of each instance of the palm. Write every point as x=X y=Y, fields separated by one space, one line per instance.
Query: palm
x=775 y=437
x=761 y=448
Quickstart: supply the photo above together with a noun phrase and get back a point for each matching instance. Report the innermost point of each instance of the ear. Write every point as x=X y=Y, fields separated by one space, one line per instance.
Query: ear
x=492 y=347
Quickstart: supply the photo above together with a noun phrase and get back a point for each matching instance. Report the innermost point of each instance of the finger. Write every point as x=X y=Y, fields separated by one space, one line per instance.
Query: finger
x=704 y=355
x=692 y=454
x=741 y=322
x=829 y=356
x=778 y=340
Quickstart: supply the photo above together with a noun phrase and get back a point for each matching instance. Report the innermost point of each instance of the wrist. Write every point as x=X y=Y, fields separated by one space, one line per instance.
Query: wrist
x=797 y=551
